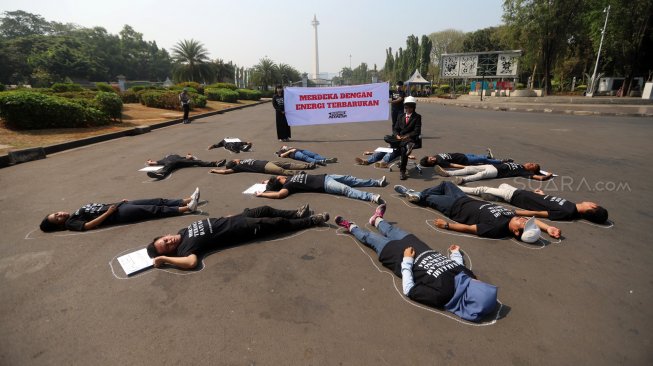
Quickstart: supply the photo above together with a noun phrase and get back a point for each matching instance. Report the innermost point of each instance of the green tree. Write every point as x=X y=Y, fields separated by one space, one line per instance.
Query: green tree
x=191 y=62
x=21 y=23
x=265 y=73
x=425 y=48
x=288 y=74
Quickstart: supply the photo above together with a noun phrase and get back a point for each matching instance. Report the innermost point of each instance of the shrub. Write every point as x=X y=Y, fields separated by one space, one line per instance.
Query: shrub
x=138 y=88
x=248 y=94
x=444 y=88
x=84 y=94
x=191 y=84
x=2 y=87
x=109 y=103
x=128 y=96
x=229 y=86
x=197 y=100
x=168 y=99
x=520 y=86
x=188 y=89
x=104 y=87
x=222 y=95
x=66 y=87
x=29 y=110
x=267 y=93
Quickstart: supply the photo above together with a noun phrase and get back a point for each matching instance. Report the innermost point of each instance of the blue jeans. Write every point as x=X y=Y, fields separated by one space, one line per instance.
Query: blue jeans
x=308 y=156
x=386 y=157
x=376 y=241
x=342 y=185
x=441 y=197
x=473 y=159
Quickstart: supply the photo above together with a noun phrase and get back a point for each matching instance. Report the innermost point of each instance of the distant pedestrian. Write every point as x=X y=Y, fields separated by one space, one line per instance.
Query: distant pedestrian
x=283 y=130
x=184 y=99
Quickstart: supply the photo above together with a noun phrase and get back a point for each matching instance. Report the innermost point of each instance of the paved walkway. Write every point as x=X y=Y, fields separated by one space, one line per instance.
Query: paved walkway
x=608 y=106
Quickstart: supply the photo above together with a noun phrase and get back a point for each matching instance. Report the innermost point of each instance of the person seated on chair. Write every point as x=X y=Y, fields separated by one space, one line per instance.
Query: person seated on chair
x=477 y=217
x=536 y=203
x=235 y=147
x=94 y=215
x=206 y=235
x=407 y=131
x=427 y=276
x=263 y=166
x=304 y=155
x=173 y=162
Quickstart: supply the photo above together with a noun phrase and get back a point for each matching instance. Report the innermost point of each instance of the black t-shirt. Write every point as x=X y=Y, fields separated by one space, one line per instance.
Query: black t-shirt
x=277 y=102
x=170 y=159
x=506 y=170
x=250 y=165
x=396 y=94
x=445 y=159
x=207 y=234
x=305 y=183
x=87 y=213
x=433 y=273
x=558 y=208
x=491 y=220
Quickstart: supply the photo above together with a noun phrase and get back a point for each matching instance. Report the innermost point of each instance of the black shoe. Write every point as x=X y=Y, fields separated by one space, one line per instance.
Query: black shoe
x=304 y=211
x=246 y=147
x=156 y=175
x=403 y=176
x=221 y=162
x=320 y=218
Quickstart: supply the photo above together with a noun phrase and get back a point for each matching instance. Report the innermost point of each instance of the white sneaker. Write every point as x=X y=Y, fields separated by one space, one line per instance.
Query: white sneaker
x=196 y=194
x=192 y=205
x=382 y=181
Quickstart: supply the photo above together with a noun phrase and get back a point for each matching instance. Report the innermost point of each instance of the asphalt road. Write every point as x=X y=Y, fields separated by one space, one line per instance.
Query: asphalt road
x=317 y=297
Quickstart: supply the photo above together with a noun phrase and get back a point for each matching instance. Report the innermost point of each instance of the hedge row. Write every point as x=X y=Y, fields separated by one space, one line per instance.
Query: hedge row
x=30 y=110
x=222 y=95
x=222 y=86
x=248 y=94
x=168 y=99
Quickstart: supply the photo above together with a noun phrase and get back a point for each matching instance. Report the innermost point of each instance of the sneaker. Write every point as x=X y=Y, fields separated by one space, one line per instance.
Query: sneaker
x=377 y=199
x=489 y=197
x=331 y=160
x=402 y=176
x=378 y=213
x=489 y=153
x=222 y=162
x=381 y=164
x=441 y=172
x=342 y=222
x=303 y=211
x=192 y=205
x=322 y=162
x=413 y=196
x=401 y=189
x=155 y=175
x=246 y=147
x=459 y=181
x=320 y=218
x=383 y=182
x=196 y=194
x=360 y=161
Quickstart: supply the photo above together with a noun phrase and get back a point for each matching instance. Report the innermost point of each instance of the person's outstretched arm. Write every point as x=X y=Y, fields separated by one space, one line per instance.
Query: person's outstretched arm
x=222 y=171
x=283 y=193
x=532 y=213
x=187 y=262
x=542 y=177
x=553 y=231
x=454 y=226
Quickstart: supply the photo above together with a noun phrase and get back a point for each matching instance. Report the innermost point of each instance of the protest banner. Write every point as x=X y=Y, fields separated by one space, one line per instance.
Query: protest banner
x=343 y=104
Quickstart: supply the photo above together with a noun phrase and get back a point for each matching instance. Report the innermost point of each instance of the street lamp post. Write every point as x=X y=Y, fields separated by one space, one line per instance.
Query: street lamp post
x=598 y=56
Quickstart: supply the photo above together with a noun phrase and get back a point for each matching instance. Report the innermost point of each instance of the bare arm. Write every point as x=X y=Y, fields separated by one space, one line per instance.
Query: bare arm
x=285 y=155
x=542 y=177
x=532 y=213
x=461 y=228
x=222 y=171
x=553 y=232
x=100 y=219
x=187 y=262
x=283 y=193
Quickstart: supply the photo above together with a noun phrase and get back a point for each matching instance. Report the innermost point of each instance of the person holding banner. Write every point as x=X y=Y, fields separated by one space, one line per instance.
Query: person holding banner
x=407 y=131
x=279 y=187
x=283 y=130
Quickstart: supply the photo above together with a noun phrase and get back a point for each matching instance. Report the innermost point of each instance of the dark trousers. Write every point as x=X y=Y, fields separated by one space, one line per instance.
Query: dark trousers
x=267 y=220
x=395 y=114
x=283 y=130
x=174 y=162
x=145 y=209
x=186 y=108
x=441 y=197
x=404 y=150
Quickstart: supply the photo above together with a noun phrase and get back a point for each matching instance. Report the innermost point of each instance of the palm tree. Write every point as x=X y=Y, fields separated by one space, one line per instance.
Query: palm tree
x=266 y=72
x=288 y=74
x=192 y=62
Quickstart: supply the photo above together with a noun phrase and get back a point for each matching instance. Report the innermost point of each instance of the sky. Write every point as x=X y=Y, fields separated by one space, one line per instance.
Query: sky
x=349 y=33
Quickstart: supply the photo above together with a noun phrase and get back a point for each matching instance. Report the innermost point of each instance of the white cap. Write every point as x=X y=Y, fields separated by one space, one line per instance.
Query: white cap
x=410 y=99
x=531 y=232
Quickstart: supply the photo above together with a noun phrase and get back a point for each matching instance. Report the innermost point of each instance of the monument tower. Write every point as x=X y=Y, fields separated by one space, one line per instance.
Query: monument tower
x=316 y=64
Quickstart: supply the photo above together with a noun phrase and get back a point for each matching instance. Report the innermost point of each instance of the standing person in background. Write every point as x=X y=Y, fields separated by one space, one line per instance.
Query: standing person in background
x=283 y=130
x=397 y=102
x=184 y=99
